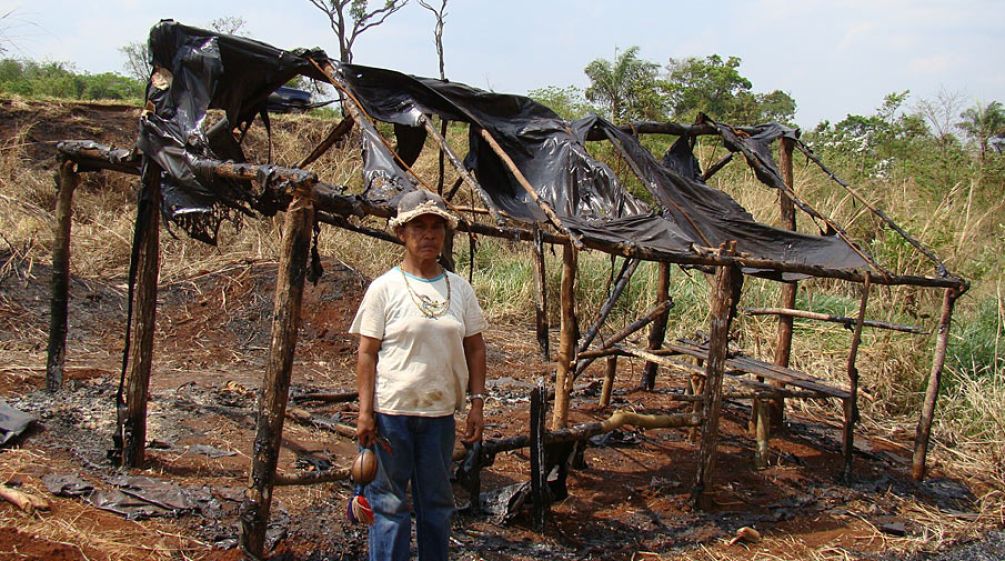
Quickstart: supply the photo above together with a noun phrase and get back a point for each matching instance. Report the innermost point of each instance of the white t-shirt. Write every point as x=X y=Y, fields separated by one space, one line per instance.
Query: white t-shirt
x=421 y=368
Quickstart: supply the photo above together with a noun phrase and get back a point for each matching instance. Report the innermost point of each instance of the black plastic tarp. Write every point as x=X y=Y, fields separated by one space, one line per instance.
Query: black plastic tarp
x=13 y=422
x=236 y=74
x=585 y=193
x=197 y=70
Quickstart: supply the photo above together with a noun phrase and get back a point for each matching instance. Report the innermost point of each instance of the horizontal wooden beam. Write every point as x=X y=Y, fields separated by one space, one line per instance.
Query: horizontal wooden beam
x=334 y=199
x=848 y=322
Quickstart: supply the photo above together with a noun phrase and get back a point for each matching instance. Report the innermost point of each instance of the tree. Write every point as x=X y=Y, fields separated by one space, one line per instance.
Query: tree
x=715 y=86
x=137 y=63
x=982 y=123
x=440 y=16
x=879 y=142
x=941 y=113
x=627 y=85
x=351 y=18
x=568 y=102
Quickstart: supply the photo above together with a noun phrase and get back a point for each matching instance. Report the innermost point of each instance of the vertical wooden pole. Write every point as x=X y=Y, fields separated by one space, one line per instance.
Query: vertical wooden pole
x=783 y=347
x=141 y=350
x=59 y=285
x=658 y=330
x=924 y=429
x=609 y=375
x=541 y=296
x=851 y=404
x=761 y=433
x=567 y=338
x=728 y=282
x=274 y=393
x=538 y=456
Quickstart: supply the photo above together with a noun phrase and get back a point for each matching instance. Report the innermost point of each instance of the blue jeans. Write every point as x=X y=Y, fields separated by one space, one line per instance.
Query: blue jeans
x=421 y=448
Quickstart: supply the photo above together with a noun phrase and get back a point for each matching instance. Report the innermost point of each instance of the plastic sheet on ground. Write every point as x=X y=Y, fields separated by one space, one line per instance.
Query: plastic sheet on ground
x=138 y=497
x=13 y=423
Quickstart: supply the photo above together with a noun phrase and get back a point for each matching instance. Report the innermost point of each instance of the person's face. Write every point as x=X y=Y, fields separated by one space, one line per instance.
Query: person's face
x=423 y=236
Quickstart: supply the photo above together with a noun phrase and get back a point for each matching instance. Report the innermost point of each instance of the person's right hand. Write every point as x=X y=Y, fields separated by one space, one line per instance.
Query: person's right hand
x=366 y=429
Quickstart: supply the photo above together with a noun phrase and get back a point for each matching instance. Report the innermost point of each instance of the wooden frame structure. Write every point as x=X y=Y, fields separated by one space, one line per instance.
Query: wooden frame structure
x=707 y=365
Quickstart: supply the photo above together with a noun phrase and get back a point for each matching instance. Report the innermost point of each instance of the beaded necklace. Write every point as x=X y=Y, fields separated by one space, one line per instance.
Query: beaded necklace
x=427 y=306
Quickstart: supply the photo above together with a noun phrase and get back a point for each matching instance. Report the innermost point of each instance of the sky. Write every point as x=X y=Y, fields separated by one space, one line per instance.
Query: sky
x=834 y=58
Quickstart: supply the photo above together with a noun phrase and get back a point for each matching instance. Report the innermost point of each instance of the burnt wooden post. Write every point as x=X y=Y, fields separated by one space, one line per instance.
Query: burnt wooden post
x=924 y=429
x=59 y=285
x=783 y=346
x=567 y=339
x=133 y=428
x=762 y=433
x=851 y=404
x=658 y=330
x=274 y=393
x=538 y=456
x=609 y=374
x=728 y=282
x=541 y=295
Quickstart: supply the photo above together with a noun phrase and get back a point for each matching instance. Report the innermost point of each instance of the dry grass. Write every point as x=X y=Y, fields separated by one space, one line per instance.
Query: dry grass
x=75 y=525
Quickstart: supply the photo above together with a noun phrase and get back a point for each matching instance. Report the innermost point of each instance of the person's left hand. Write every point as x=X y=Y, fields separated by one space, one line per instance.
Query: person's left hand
x=474 y=424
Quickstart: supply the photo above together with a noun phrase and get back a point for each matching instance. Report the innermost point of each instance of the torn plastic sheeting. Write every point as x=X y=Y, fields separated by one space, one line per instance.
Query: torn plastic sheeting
x=617 y=439
x=584 y=193
x=536 y=139
x=136 y=497
x=755 y=146
x=548 y=151
x=505 y=503
x=383 y=178
x=13 y=422
x=711 y=217
x=198 y=70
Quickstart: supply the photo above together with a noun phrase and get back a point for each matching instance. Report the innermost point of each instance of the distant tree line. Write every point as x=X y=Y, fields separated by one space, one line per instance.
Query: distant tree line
x=59 y=80
x=629 y=88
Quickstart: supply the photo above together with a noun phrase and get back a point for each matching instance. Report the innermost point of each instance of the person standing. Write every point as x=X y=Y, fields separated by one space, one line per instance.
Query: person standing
x=421 y=357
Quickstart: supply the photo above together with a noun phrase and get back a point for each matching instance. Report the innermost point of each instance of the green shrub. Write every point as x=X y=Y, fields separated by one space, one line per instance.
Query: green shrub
x=59 y=80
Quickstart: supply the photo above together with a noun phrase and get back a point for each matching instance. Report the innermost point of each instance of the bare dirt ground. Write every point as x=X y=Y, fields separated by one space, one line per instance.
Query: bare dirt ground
x=631 y=501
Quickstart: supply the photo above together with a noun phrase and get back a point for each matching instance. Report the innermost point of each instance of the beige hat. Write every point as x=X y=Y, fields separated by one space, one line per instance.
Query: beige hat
x=416 y=203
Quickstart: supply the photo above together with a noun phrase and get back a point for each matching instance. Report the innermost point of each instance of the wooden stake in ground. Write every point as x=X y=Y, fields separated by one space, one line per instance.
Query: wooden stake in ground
x=274 y=392
x=851 y=404
x=658 y=330
x=609 y=375
x=783 y=345
x=66 y=182
x=728 y=282
x=133 y=427
x=924 y=430
x=541 y=295
x=566 y=340
x=538 y=456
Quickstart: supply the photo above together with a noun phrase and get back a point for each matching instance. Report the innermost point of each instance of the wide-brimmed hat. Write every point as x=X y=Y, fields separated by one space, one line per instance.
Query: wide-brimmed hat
x=419 y=202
